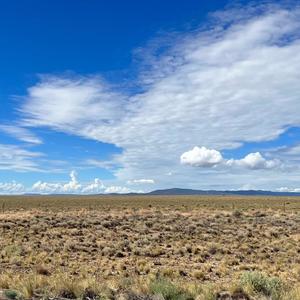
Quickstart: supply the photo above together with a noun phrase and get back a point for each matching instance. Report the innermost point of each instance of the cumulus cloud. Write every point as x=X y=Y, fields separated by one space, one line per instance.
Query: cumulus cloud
x=118 y=190
x=11 y=188
x=95 y=187
x=74 y=187
x=203 y=157
x=254 y=161
x=71 y=187
x=20 y=133
x=73 y=184
x=288 y=190
x=235 y=81
x=46 y=188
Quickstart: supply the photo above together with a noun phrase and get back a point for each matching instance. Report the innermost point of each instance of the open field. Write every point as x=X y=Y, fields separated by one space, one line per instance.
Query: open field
x=65 y=245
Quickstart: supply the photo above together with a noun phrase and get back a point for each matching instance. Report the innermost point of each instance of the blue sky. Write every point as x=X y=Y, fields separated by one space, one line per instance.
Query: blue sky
x=122 y=96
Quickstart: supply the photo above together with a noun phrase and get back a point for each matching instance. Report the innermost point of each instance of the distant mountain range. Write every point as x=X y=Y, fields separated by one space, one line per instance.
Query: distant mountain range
x=178 y=191
x=187 y=192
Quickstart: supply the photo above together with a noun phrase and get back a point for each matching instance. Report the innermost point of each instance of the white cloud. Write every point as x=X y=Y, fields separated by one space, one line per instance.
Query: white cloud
x=46 y=188
x=95 y=187
x=235 y=82
x=72 y=185
x=21 y=134
x=118 y=190
x=11 y=188
x=101 y=164
x=57 y=188
x=207 y=158
x=82 y=101
x=201 y=157
x=247 y=187
x=75 y=187
x=289 y=152
x=288 y=190
x=254 y=161
x=141 y=181
x=15 y=158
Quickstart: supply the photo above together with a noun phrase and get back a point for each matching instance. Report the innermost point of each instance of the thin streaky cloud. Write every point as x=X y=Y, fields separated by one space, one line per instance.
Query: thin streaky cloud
x=20 y=133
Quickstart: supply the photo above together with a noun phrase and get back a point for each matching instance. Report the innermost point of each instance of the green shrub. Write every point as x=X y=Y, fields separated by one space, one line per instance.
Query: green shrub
x=10 y=294
x=168 y=290
x=263 y=285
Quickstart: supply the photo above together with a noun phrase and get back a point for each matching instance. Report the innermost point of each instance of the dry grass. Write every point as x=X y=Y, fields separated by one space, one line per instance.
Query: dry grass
x=68 y=246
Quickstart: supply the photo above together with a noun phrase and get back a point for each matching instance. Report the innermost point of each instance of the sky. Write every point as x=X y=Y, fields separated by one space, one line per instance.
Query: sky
x=132 y=96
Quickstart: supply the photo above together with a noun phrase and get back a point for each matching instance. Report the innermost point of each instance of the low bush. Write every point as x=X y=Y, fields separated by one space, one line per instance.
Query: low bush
x=11 y=294
x=168 y=290
x=262 y=284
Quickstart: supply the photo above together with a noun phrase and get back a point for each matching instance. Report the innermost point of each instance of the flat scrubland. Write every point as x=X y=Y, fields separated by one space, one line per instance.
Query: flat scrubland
x=150 y=247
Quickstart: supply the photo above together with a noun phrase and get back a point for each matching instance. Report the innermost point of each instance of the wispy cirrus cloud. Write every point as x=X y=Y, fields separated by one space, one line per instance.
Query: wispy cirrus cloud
x=13 y=157
x=20 y=133
x=24 y=159
x=141 y=181
x=81 y=102
x=105 y=164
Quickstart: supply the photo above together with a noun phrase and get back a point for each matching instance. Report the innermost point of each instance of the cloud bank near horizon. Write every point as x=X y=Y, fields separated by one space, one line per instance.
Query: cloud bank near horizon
x=96 y=187
x=71 y=187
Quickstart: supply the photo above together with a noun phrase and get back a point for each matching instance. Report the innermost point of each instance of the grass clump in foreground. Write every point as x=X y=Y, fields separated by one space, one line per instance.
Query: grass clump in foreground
x=261 y=284
x=168 y=290
x=11 y=294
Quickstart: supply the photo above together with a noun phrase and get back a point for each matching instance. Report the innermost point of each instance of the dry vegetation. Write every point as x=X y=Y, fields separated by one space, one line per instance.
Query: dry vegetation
x=159 y=247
